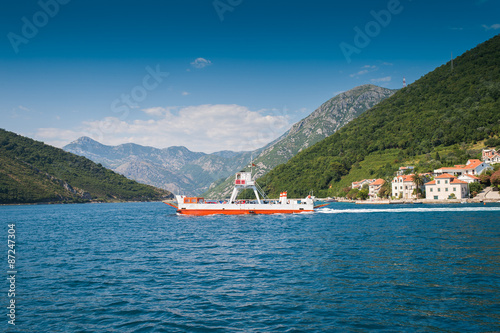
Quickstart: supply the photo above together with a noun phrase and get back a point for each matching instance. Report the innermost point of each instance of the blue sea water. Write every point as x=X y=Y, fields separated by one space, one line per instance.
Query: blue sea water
x=139 y=267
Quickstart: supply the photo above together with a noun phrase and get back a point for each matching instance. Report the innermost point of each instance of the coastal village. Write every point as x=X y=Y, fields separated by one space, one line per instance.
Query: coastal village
x=458 y=183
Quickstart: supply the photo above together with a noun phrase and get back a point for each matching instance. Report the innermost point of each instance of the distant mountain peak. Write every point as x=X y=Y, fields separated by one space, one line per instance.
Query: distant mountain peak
x=321 y=123
x=83 y=139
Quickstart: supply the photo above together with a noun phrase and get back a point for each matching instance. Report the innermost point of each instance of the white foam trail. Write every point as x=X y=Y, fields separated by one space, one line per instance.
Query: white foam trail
x=408 y=210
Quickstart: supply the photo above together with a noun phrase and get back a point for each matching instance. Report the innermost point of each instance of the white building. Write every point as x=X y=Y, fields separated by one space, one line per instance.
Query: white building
x=403 y=186
x=491 y=156
x=446 y=187
x=360 y=184
x=469 y=178
x=472 y=167
x=402 y=170
x=374 y=188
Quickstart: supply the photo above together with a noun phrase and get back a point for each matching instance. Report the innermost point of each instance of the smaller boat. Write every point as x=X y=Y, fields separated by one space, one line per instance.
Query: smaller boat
x=261 y=205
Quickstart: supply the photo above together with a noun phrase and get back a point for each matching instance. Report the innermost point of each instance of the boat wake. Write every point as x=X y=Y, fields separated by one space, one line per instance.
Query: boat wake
x=408 y=210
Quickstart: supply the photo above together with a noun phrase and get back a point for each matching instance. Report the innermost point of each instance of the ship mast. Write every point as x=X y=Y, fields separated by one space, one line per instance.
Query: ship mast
x=244 y=181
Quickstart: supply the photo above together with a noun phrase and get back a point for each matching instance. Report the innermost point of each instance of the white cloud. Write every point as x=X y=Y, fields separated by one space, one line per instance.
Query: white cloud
x=206 y=128
x=201 y=63
x=382 y=79
x=491 y=27
x=365 y=70
x=185 y=93
x=58 y=137
x=21 y=112
x=23 y=108
x=156 y=111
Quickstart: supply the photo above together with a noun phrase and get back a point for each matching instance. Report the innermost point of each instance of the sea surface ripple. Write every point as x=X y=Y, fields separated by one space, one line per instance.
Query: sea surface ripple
x=140 y=267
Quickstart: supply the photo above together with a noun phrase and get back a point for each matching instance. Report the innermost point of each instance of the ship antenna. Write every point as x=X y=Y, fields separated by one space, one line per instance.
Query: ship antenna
x=251 y=166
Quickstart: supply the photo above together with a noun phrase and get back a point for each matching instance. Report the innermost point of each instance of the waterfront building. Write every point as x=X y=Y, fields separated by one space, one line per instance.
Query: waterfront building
x=445 y=187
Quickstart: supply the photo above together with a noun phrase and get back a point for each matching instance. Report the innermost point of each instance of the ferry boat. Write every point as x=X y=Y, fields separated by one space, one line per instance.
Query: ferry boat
x=261 y=205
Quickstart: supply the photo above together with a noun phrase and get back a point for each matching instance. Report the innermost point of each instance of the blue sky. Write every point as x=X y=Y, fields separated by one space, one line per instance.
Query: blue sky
x=212 y=75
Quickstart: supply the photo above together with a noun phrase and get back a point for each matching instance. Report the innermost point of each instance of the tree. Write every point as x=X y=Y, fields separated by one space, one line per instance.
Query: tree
x=419 y=181
x=485 y=178
x=495 y=179
x=492 y=142
x=363 y=194
x=385 y=190
x=475 y=188
x=352 y=194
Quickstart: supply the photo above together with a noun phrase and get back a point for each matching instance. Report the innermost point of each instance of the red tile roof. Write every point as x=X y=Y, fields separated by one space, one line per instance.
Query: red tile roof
x=458 y=181
x=471 y=165
x=454 y=180
x=471 y=176
x=445 y=175
x=406 y=178
x=456 y=167
x=379 y=181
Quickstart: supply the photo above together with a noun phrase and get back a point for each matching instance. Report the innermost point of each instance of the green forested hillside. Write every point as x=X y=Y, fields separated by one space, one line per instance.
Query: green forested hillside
x=433 y=121
x=31 y=172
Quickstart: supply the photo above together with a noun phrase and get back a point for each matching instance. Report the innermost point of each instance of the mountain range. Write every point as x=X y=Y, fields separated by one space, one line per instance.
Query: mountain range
x=180 y=170
x=176 y=168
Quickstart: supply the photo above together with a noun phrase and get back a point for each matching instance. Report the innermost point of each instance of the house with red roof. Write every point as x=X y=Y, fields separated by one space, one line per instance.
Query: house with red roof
x=360 y=184
x=374 y=188
x=403 y=186
x=491 y=156
x=446 y=186
x=469 y=178
x=472 y=167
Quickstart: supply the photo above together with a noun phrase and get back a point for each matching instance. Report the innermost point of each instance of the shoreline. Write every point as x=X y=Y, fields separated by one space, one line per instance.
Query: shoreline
x=422 y=201
x=72 y=203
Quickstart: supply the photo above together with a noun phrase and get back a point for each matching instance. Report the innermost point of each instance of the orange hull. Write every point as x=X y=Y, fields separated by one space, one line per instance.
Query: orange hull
x=200 y=212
